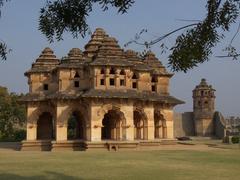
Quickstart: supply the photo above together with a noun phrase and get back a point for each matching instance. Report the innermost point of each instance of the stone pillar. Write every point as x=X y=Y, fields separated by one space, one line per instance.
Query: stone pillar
x=96 y=123
x=107 y=78
x=168 y=116
x=31 y=132
x=88 y=131
x=31 y=124
x=127 y=110
x=61 y=121
x=149 y=111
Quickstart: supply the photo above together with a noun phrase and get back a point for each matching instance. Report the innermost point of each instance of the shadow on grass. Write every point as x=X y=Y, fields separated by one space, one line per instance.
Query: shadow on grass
x=10 y=145
x=47 y=175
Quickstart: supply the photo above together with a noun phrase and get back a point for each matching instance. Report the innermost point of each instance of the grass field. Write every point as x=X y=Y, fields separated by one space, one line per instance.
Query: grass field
x=195 y=164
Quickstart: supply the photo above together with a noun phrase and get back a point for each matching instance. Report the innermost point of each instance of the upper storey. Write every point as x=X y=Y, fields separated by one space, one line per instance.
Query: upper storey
x=102 y=69
x=203 y=90
x=203 y=97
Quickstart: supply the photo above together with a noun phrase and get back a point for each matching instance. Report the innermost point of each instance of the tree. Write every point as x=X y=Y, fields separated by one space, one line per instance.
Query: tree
x=3 y=47
x=12 y=116
x=192 y=46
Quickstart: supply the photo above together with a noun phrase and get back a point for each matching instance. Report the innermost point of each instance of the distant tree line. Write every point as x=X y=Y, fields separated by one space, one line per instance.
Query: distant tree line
x=12 y=116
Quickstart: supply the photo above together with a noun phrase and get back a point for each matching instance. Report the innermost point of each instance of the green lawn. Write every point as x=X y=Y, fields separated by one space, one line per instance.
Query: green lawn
x=174 y=164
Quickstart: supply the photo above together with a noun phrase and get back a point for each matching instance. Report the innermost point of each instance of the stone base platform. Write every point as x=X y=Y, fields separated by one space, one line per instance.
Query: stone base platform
x=81 y=145
x=112 y=145
x=38 y=145
x=73 y=145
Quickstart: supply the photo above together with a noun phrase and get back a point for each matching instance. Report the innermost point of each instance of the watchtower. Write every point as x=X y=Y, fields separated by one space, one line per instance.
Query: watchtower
x=203 y=108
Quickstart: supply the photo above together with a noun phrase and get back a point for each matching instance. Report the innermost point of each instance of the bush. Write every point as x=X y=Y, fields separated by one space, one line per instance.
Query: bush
x=235 y=139
x=20 y=135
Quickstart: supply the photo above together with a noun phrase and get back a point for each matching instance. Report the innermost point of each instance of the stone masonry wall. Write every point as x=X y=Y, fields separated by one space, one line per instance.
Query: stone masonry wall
x=183 y=124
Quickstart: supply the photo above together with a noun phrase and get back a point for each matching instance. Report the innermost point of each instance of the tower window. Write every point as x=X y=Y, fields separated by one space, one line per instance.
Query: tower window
x=134 y=85
x=45 y=87
x=154 y=88
x=122 y=82
x=206 y=102
x=102 y=82
x=154 y=79
x=76 y=84
x=112 y=71
x=199 y=103
x=122 y=72
x=112 y=82
x=102 y=71
x=76 y=75
x=202 y=92
x=134 y=76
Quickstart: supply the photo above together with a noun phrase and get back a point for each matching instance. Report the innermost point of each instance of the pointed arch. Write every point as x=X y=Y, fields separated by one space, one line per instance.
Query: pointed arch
x=76 y=75
x=122 y=72
x=76 y=128
x=45 y=126
x=160 y=126
x=113 y=125
x=112 y=70
x=140 y=124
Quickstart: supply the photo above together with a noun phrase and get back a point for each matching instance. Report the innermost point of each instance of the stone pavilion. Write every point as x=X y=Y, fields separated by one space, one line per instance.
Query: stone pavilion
x=101 y=98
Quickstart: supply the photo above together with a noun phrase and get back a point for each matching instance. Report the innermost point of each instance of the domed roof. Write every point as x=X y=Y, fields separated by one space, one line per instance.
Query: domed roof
x=110 y=53
x=203 y=85
x=96 y=40
x=110 y=48
x=75 y=52
x=75 y=55
x=47 y=55
x=46 y=59
x=45 y=62
x=152 y=60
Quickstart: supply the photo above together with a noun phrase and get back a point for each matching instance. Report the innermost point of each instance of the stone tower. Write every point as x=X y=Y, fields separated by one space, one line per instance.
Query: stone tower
x=203 y=109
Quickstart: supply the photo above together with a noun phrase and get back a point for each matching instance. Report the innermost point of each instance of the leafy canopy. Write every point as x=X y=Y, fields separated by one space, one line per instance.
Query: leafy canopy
x=12 y=115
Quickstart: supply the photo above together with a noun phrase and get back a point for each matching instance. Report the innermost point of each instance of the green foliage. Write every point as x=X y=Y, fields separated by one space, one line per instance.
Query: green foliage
x=195 y=46
x=12 y=115
x=20 y=135
x=3 y=47
x=235 y=139
x=70 y=16
x=3 y=50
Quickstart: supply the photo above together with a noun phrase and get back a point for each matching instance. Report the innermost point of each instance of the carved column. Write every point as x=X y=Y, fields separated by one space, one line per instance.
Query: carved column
x=168 y=116
x=127 y=110
x=62 y=113
x=96 y=116
x=149 y=111
x=31 y=123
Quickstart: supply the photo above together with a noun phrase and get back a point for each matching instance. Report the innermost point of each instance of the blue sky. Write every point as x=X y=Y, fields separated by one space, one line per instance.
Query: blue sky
x=19 y=28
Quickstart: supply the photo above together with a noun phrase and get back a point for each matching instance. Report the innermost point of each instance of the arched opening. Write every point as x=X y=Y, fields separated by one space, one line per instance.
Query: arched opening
x=112 y=71
x=45 y=127
x=154 y=79
x=160 y=126
x=122 y=72
x=102 y=71
x=112 y=126
x=76 y=126
x=134 y=76
x=140 y=125
x=76 y=75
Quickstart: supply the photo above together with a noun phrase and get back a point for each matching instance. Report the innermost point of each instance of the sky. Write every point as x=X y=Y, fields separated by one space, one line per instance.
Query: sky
x=19 y=29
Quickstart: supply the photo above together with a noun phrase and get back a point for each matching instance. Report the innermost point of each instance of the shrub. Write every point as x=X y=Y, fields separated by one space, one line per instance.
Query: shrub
x=19 y=135
x=235 y=139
